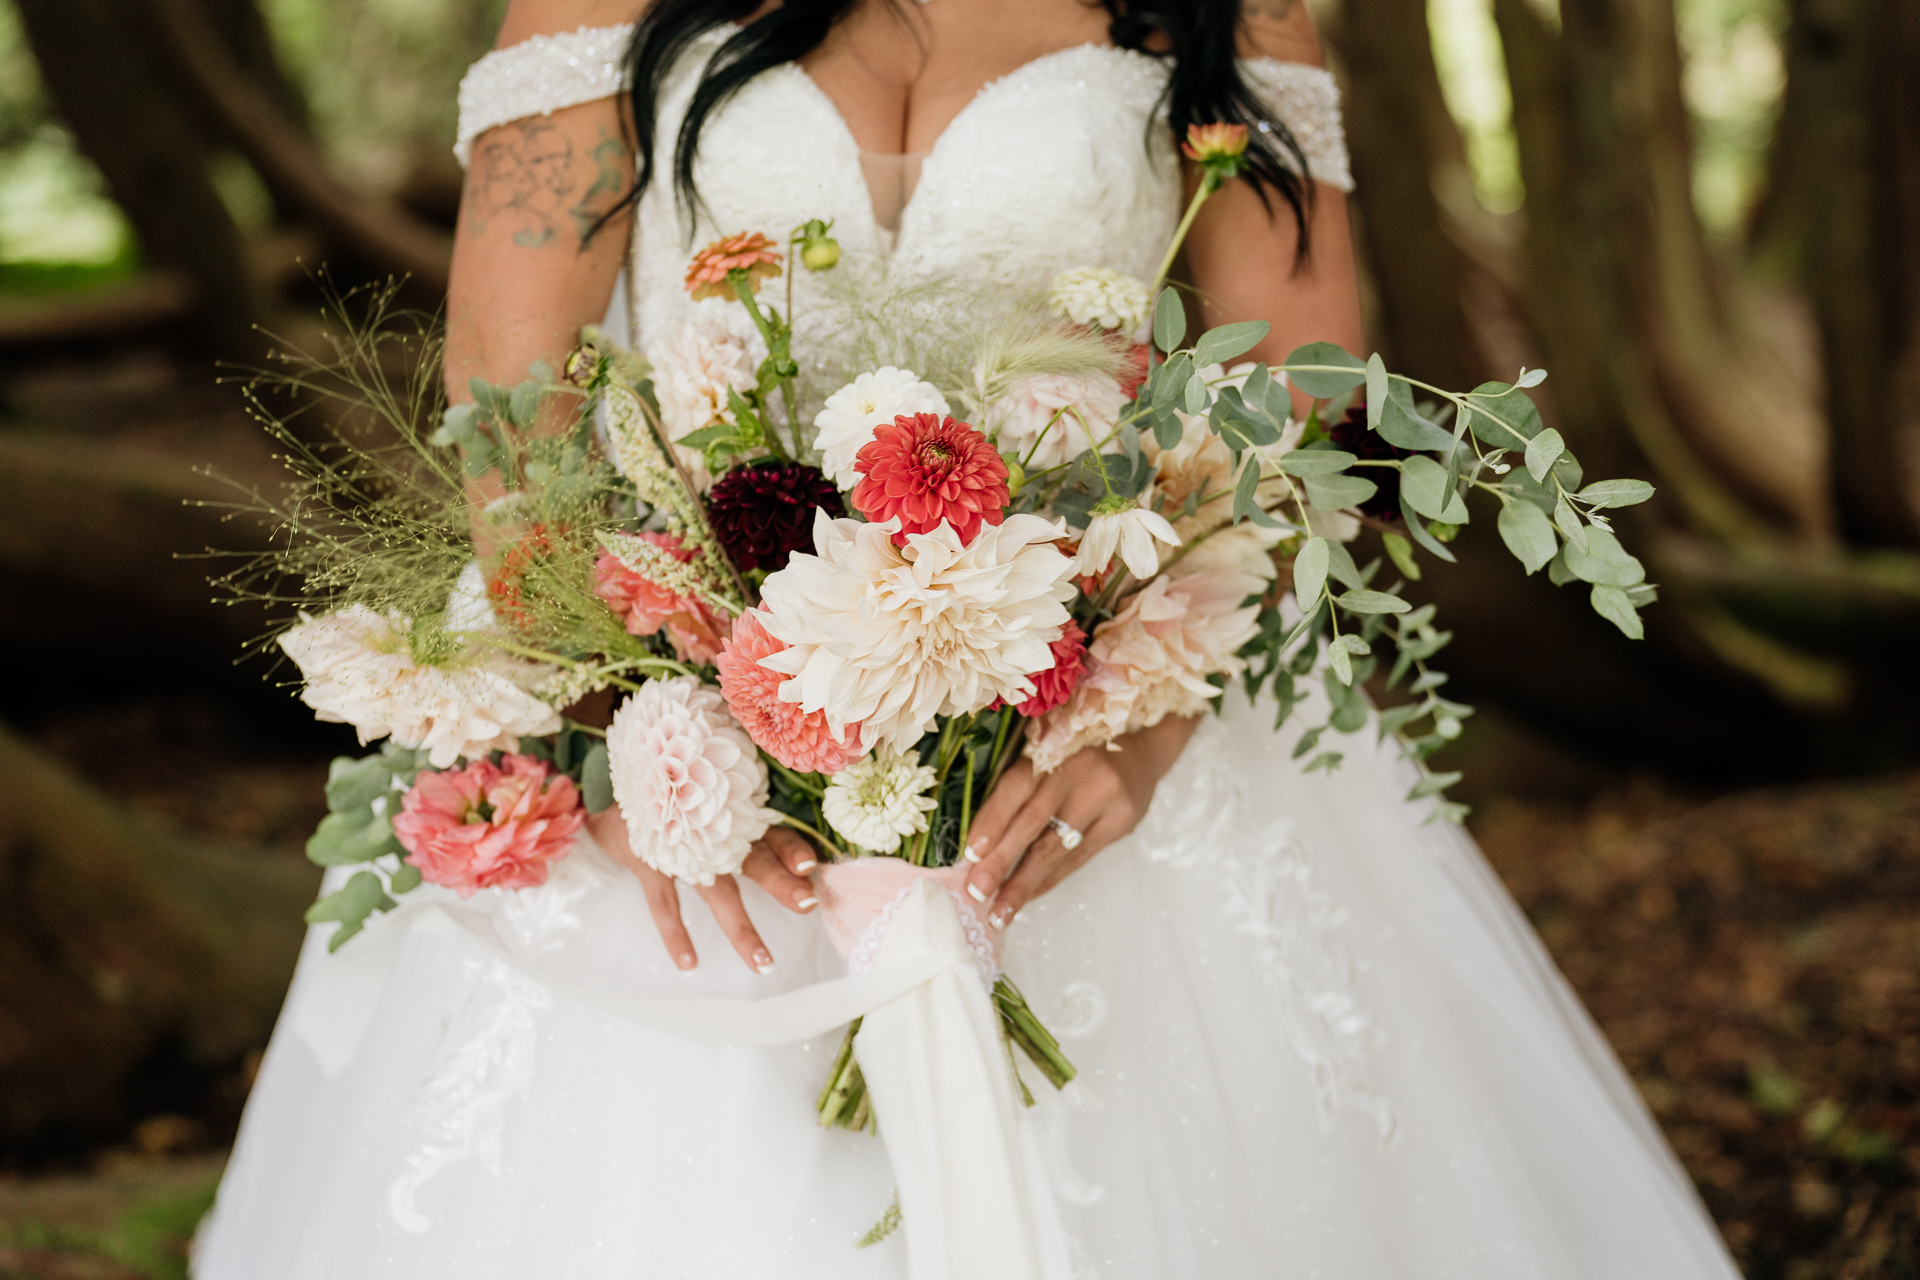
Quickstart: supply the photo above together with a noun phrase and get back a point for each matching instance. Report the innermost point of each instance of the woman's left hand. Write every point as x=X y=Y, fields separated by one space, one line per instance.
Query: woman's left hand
x=1099 y=793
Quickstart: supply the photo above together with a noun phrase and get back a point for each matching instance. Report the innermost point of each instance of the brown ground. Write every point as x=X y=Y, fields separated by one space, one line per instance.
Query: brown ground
x=1755 y=958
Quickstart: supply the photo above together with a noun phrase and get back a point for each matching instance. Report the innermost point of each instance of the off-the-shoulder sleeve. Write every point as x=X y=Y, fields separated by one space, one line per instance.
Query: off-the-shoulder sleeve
x=1307 y=101
x=539 y=76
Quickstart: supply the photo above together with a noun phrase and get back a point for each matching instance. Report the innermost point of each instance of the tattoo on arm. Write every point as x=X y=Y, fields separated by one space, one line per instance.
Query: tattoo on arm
x=528 y=175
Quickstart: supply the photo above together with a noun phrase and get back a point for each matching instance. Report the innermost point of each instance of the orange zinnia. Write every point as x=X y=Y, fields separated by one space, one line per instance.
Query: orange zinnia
x=749 y=251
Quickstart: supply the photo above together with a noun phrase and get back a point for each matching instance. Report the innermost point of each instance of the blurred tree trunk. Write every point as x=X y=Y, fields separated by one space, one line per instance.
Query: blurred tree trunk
x=120 y=943
x=1843 y=212
x=117 y=99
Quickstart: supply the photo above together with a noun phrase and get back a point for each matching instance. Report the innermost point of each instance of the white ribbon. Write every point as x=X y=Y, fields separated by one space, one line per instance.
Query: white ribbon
x=974 y=1201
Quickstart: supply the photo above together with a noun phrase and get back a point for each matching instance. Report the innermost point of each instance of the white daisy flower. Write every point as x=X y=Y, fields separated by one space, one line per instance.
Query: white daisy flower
x=879 y=800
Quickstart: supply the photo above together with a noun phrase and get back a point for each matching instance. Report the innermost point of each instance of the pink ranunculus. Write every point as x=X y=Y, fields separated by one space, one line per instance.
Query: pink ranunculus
x=799 y=739
x=696 y=629
x=489 y=826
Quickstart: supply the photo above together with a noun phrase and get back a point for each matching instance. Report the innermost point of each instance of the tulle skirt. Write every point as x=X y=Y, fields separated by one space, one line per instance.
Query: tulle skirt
x=1315 y=1039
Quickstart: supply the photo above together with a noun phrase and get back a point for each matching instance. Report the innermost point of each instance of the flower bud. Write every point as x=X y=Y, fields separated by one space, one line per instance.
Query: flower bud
x=1209 y=143
x=818 y=250
x=583 y=362
x=1016 y=475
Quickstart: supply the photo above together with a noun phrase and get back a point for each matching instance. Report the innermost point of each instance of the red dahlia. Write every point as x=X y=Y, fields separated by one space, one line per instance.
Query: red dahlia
x=924 y=469
x=764 y=514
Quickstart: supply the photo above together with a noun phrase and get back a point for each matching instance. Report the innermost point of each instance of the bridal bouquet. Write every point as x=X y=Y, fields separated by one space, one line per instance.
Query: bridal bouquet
x=850 y=616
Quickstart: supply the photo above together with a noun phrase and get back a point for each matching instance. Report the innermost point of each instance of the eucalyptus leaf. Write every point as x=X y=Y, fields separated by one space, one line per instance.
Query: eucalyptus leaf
x=1528 y=534
x=1340 y=567
x=1198 y=395
x=1330 y=372
x=1504 y=416
x=1423 y=486
x=1315 y=462
x=1531 y=377
x=1341 y=664
x=359 y=898
x=356 y=784
x=1169 y=321
x=1326 y=760
x=596 y=779
x=1349 y=705
x=1217 y=346
x=1557 y=572
x=1371 y=602
x=343 y=839
x=1604 y=562
x=1433 y=782
x=1377 y=390
x=1612 y=604
x=1401 y=424
x=1616 y=493
x=1563 y=515
x=1338 y=492
x=1244 y=490
x=1417 y=530
x=1168 y=430
x=1400 y=551
x=1354 y=645
x=1310 y=573
x=1543 y=451
x=405 y=879
x=524 y=405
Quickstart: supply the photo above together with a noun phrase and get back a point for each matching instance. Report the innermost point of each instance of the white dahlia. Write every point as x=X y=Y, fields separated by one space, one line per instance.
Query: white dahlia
x=689 y=782
x=1101 y=298
x=693 y=369
x=893 y=636
x=1153 y=657
x=1046 y=419
x=359 y=671
x=880 y=799
x=845 y=425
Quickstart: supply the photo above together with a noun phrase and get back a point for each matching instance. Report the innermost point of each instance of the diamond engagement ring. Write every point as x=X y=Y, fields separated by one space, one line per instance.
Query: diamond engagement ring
x=1070 y=836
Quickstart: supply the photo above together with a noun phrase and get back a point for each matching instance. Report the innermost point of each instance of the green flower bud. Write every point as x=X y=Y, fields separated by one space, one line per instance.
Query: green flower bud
x=818 y=250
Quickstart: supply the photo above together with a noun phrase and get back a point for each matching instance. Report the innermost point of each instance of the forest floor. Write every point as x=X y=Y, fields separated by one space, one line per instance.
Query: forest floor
x=1753 y=957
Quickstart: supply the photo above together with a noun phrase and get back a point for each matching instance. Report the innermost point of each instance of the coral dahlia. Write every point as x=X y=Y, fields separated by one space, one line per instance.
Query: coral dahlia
x=645 y=605
x=489 y=826
x=1052 y=687
x=764 y=514
x=749 y=251
x=799 y=739
x=922 y=470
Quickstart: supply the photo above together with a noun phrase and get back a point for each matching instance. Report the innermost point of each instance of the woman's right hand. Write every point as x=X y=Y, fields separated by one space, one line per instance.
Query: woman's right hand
x=779 y=863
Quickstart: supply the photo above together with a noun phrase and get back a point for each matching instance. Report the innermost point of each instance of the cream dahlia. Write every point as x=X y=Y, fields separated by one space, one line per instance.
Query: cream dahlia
x=489 y=826
x=693 y=369
x=1100 y=298
x=1153 y=657
x=922 y=472
x=881 y=800
x=690 y=785
x=359 y=671
x=800 y=740
x=845 y=425
x=1046 y=419
x=892 y=636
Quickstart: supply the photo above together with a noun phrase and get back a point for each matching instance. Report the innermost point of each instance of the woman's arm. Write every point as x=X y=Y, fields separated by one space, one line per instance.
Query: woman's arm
x=528 y=267
x=1243 y=260
x=531 y=264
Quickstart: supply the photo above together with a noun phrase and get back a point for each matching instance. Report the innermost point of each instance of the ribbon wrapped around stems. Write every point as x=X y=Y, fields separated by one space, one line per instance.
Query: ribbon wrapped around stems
x=975 y=1203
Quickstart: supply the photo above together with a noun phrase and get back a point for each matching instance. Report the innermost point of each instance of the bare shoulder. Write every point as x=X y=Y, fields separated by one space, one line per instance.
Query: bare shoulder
x=526 y=18
x=1280 y=29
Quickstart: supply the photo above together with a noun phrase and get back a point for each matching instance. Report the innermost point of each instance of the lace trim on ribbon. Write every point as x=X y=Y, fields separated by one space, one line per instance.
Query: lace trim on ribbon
x=538 y=77
x=860 y=958
x=1306 y=100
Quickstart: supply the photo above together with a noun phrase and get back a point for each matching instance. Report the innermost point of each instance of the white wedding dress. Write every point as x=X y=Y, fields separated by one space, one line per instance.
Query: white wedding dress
x=1315 y=1037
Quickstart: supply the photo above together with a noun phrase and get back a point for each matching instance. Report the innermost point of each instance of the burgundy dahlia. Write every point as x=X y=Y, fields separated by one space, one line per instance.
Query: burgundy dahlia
x=764 y=514
x=1351 y=435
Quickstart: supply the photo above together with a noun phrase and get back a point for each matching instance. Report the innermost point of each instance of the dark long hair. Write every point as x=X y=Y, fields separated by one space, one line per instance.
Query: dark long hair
x=1197 y=36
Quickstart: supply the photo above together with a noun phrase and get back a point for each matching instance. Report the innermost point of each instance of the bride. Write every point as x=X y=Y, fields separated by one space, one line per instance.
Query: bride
x=1315 y=1037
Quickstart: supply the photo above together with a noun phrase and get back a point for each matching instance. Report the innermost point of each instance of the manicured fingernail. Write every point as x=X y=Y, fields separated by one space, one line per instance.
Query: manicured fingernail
x=970 y=854
x=974 y=890
x=804 y=867
x=762 y=962
x=1001 y=919
x=687 y=962
x=807 y=904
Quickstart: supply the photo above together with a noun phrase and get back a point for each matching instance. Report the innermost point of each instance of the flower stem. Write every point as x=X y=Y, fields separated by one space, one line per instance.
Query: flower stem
x=776 y=350
x=1025 y=1030
x=1208 y=184
x=839 y=854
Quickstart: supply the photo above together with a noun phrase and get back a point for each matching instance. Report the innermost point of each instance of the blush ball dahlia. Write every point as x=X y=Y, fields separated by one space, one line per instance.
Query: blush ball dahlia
x=764 y=514
x=690 y=785
x=923 y=470
x=890 y=637
x=800 y=740
x=489 y=826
